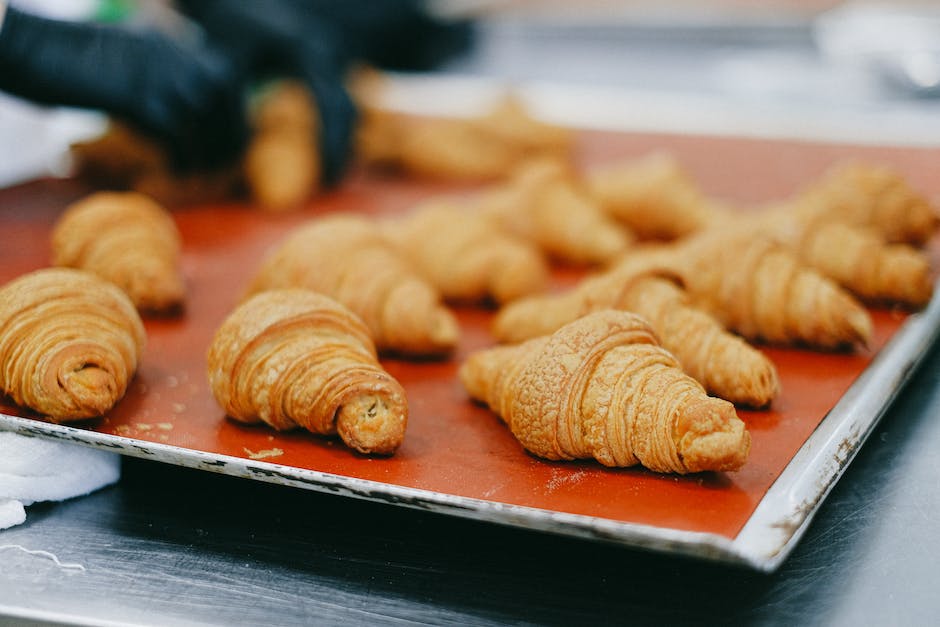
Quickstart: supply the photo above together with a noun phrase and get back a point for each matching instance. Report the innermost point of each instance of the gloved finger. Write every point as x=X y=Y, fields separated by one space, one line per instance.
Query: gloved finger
x=338 y=117
x=201 y=112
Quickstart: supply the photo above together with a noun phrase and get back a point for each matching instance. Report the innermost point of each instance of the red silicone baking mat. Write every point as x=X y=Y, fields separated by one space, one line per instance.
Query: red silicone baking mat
x=454 y=448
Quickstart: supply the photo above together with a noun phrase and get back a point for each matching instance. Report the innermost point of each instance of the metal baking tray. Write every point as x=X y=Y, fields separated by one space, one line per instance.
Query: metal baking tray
x=458 y=459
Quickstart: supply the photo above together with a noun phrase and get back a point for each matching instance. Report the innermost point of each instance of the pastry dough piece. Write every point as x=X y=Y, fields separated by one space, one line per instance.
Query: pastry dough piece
x=758 y=288
x=345 y=257
x=653 y=196
x=282 y=162
x=878 y=197
x=726 y=365
x=855 y=257
x=544 y=204
x=125 y=238
x=601 y=387
x=467 y=257
x=69 y=343
x=293 y=358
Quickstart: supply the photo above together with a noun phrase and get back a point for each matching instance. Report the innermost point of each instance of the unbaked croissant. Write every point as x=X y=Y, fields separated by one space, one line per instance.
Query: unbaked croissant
x=467 y=257
x=878 y=197
x=543 y=203
x=601 y=387
x=758 y=288
x=652 y=196
x=69 y=343
x=125 y=238
x=345 y=257
x=294 y=358
x=726 y=365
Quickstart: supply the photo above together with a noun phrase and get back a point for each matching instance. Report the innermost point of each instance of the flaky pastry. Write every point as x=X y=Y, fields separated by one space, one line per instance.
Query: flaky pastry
x=601 y=387
x=293 y=358
x=344 y=256
x=127 y=239
x=70 y=343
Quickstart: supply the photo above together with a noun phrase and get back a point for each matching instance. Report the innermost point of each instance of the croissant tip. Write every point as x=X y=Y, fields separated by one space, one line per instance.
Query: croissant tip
x=445 y=332
x=861 y=327
x=716 y=439
x=373 y=423
x=763 y=389
x=93 y=391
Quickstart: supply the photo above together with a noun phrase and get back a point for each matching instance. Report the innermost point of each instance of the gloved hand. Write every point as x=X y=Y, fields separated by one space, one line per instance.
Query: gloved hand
x=282 y=38
x=317 y=40
x=191 y=100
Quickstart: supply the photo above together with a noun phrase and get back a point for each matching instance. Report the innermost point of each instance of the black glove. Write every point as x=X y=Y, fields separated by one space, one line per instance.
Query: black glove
x=394 y=34
x=317 y=40
x=190 y=100
x=275 y=39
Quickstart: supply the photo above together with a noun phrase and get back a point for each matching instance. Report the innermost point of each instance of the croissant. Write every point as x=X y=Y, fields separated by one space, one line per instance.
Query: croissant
x=758 y=288
x=726 y=365
x=345 y=257
x=282 y=161
x=543 y=204
x=601 y=387
x=125 y=238
x=855 y=257
x=652 y=196
x=69 y=343
x=294 y=358
x=464 y=255
x=878 y=197
x=479 y=148
x=510 y=120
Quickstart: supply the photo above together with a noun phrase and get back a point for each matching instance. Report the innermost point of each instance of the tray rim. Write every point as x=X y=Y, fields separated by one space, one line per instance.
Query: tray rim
x=772 y=531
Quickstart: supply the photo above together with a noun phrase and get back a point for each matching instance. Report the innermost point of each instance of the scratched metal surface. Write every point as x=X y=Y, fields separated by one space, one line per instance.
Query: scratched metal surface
x=230 y=551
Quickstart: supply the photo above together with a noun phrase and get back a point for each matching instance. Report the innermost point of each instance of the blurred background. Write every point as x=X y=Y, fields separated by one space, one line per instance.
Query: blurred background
x=854 y=72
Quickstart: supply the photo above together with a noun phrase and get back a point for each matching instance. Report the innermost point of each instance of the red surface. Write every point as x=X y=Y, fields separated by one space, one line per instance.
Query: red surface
x=453 y=446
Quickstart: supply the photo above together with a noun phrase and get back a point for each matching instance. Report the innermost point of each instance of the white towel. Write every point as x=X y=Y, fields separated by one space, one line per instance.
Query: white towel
x=36 y=469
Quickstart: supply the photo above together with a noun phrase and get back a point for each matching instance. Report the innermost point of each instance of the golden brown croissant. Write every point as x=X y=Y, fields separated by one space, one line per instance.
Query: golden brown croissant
x=543 y=204
x=479 y=148
x=125 y=238
x=855 y=257
x=879 y=197
x=601 y=387
x=453 y=150
x=294 y=358
x=345 y=257
x=758 y=288
x=653 y=197
x=464 y=255
x=282 y=162
x=726 y=365
x=69 y=343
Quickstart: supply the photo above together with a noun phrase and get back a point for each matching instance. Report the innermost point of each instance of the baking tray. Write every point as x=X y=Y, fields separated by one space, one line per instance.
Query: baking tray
x=458 y=458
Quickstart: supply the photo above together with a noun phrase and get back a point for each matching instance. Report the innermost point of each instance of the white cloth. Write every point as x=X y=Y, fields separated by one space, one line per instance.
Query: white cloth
x=36 y=469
